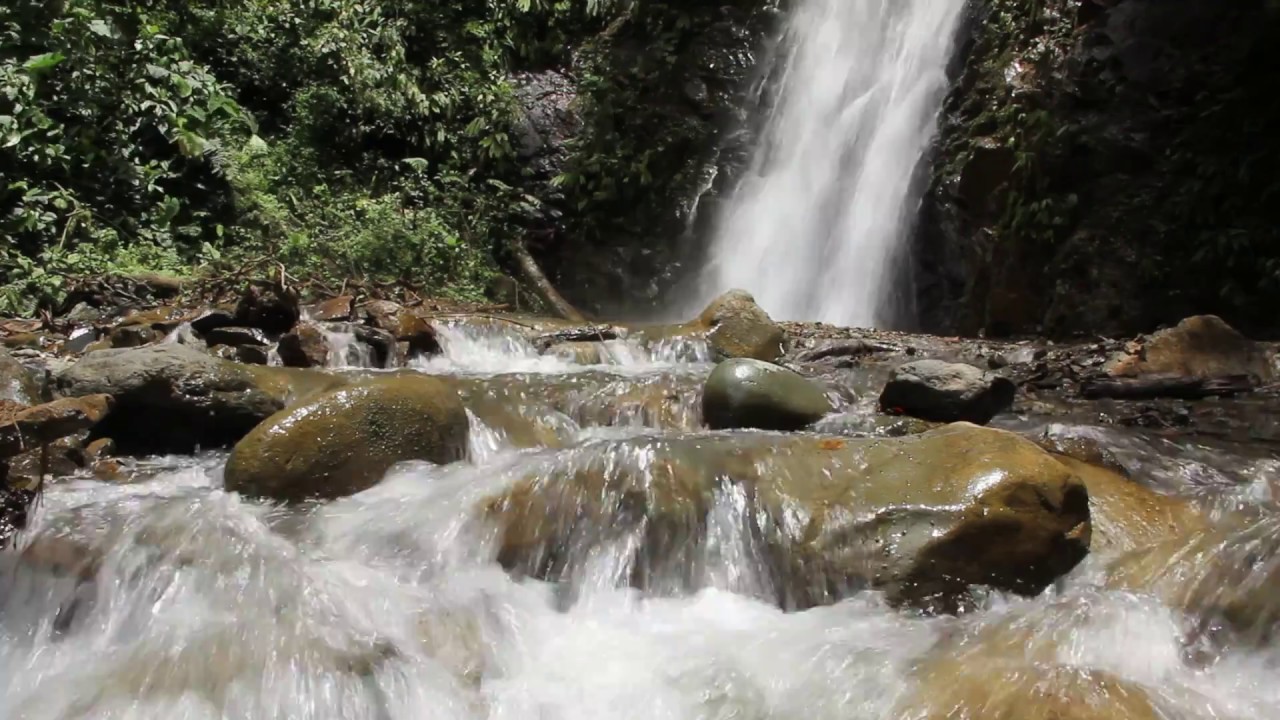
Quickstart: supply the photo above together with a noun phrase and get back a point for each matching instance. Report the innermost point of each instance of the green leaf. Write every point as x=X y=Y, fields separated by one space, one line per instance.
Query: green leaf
x=42 y=63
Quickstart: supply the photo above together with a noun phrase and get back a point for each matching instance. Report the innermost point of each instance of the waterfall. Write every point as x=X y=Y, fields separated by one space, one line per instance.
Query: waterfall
x=816 y=226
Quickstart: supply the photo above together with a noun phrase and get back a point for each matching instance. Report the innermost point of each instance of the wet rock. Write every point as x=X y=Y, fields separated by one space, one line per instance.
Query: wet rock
x=59 y=458
x=253 y=354
x=386 y=351
x=546 y=120
x=211 y=320
x=267 y=306
x=341 y=308
x=24 y=429
x=1127 y=515
x=174 y=398
x=947 y=392
x=1078 y=445
x=746 y=393
x=1010 y=672
x=582 y=353
x=17 y=384
x=130 y=336
x=920 y=517
x=99 y=449
x=305 y=347
x=343 y=442
x=584 y=334
x=856 y=424
x=33 y=340
x=80 y=340
x=739 y=328
x=162 y=319
x=236 y=337
x=1203 y=346
x=402 y=325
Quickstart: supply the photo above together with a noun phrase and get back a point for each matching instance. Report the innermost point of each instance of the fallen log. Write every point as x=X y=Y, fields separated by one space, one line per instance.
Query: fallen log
x=1167 y=386
x=533 y=275
x=850 y=348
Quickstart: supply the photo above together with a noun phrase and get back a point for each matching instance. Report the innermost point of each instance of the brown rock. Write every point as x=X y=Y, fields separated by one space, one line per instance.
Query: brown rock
x=267 y=306
x=340 y=308
x=17 y=384
x=402 y=324
x=99 y=449
x=1203 y=346
x=26 y=429
x=920 y=517
x=738 y=328
x=129 y=336
x=164 y=320
x=343 y=442
x=305 y=347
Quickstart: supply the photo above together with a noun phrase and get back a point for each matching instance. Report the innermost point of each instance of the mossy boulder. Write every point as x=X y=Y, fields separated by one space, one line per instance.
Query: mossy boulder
x=174 y=398
x=921 y=517
x=343 y=442
x=746 y=393
x=739 y=328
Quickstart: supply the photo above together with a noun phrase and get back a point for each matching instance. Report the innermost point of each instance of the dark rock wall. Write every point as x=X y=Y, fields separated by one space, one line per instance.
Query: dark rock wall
x=1106 y=166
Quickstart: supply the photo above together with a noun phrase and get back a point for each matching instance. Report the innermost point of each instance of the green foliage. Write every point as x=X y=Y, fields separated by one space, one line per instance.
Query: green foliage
x=346 y=137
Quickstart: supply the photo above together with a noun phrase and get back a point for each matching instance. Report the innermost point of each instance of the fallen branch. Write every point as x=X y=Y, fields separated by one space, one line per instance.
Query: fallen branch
x=1167 y=386
x=541 y=285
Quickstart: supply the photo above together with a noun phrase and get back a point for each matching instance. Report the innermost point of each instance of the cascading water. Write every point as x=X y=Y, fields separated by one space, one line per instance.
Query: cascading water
x=815 y=228
x=169 y=598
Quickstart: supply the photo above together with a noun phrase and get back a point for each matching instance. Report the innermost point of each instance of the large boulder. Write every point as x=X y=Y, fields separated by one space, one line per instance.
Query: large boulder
x=946 y=392
x=304 y=347
x=1203 y=346
x=16 y=382
x=921 y=517
x=343 y=442
x=268 y=306
x=739 y=328
x=174 y=398
x=746 y=393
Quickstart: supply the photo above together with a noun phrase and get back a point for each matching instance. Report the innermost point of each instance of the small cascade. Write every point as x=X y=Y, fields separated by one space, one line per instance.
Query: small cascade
x=346 y=350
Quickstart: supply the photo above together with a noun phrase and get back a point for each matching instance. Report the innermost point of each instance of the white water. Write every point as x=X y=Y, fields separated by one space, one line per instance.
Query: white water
x=815 y=229
x=391 y=605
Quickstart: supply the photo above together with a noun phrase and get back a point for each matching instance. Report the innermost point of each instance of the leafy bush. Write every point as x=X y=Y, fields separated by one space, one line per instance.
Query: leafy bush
x=344 y=137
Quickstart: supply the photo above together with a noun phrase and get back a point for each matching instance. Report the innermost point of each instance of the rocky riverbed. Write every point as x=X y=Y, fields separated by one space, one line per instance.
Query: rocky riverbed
x=361 y=509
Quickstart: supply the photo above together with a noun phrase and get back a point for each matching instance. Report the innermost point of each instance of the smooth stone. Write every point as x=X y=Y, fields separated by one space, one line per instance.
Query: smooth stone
x=746 y=393
x=947 y=392
x=343 y=442
x=739 y=328
x=1200 y=346
x=921 y=518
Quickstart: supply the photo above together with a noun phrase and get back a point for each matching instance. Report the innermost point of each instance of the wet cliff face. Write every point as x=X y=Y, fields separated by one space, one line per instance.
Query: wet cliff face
x=1105 y=166
x=655 y=100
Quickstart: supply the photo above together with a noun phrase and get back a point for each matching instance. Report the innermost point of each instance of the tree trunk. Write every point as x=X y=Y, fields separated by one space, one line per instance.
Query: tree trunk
x=541 y=285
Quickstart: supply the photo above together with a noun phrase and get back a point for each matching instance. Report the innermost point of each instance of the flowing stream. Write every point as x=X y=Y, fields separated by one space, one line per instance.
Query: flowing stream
x=392 y=604
x=816 y=227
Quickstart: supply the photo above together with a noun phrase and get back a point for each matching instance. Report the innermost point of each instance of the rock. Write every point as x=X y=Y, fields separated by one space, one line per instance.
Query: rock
x=236 y=337
x=578 y=334
x=211 y=320
x=582 y=353
x=80 y=340
x=340 y=308
x=174 y=398
x=386 y=352
x=1079 y=445
x=17 y=384
x=738 y=328
x=946 y=392
x=1126 y=515
x=546 y=120
x=59 y=458
x=1202 y=346
x=857 y=424
x=402 y=325
x=163 y=320
x=25 y=429
x=253 y=354
x=267 y=306
x=306 y=346
x=921 y=517
x=343 y=442
x=99 y=449
x=130 y=336
x=34 y=340
x=1226 y=577
x=1008 y=673
x=746 y=393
